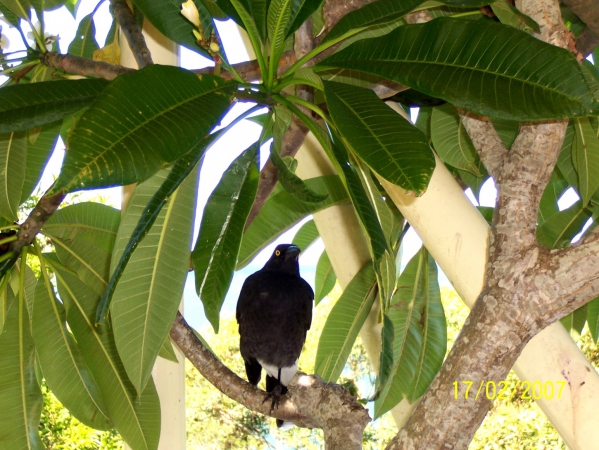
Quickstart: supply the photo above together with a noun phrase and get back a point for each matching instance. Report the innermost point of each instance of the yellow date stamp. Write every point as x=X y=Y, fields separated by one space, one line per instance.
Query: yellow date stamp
x=492 y=390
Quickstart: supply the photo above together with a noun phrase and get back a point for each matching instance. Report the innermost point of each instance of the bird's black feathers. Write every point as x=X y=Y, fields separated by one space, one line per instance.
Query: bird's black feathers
x=274 y=312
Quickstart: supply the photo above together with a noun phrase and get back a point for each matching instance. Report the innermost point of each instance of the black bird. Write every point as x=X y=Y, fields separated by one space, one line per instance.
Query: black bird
x=274 y=312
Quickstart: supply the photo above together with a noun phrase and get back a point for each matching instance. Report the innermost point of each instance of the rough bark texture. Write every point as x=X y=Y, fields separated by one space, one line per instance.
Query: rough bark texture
x=527 y=286
x=310 y=402
x=132 y=32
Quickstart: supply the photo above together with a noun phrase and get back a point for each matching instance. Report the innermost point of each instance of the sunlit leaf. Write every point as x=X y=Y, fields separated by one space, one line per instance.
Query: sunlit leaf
x=343 y=324
x=585 y=156
x=481 y=66
x=13 y=159
x=325 y=278
x=306 y=236
x=84 y=43
x=167 y=112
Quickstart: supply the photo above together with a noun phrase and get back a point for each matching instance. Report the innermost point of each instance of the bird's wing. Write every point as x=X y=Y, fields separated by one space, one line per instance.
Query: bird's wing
x=248 y=292
x=307 y=303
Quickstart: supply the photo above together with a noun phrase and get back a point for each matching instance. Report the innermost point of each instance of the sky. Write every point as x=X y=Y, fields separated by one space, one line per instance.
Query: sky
x=61 y=23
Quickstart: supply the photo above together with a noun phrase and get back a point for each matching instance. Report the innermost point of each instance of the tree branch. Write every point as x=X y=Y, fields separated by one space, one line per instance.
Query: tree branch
x=487 y=142
x=588 y=12
x=310 y=403
x=83 y=66
x=132 y=31
x=520 y=280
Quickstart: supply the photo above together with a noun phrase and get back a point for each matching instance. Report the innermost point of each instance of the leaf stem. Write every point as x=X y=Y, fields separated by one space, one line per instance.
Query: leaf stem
x=319 y=49
x=305 y=104
x=9 y=239
x=19 y=67
x=286 y=82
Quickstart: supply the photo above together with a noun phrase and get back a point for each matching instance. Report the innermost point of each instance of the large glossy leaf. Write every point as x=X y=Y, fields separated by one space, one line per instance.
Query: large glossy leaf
x=385 y=141
x=225 y=214
x=283 y=210
x=558 y=230
x=167 y=112
x=40 y=145
x=146 y=299
x=344 y=322
x=136 y=418
x=553 y=191
x=20 y=394
x=306 y=235
x=481 y=66
x=26 y=106
x=565 y=162
x=166 y=16
x=585 y=156
x=510 y=15
x=386 y=357
x=5 y=300
x=405 y=312
x=13 y=159
x=84 y=43
x=451 y=141
x=83 y=235
x=325 y=278
x=434 y=333
x=61 y=361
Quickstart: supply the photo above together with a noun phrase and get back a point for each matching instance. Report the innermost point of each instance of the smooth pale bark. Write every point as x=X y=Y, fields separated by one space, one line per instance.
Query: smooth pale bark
x=169 y=377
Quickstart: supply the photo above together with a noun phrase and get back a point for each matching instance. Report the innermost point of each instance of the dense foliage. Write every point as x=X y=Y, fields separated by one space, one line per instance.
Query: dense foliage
x=100 y=311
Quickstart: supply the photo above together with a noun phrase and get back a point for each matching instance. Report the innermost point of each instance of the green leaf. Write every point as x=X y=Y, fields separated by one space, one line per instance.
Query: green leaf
x=223 y=220
x=290 y=181
x=553 y=191
x=325 y=278
x=512 y=16
x=484 y=67
x=5 y=300
x=406 y=313
x=558 y=230
x=565 y=161
x=279 y=13
x=178 y=173
x=61 y=361
x=40 y=145
x=385 y=141
x=150 y=289
x=575 y=321
x=434 y=334
x=593 y=318
x=26 y=106
x=451 y=141
x=386 y=357
x=167 y=351
x=166 y=16
x=13 y=159
x=84 y=43
x=83 y=235
x=11 y=17
x=136 y=418
x=18 y=7
x=20 y=394
x=343 y=324
x=283 y=210
x=306 y=235
x=585 y=155
x=168 y=112
x=301 y=10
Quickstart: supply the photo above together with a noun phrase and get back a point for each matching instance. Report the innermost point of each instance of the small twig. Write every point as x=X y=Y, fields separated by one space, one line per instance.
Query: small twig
x=132 y=31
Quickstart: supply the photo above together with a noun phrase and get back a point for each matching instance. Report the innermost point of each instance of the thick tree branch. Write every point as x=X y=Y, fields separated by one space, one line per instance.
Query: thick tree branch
x=487 y=142
x=520 y=282
x=310 y=403
x=132 y=31
x=588 y=12
x=83 y=66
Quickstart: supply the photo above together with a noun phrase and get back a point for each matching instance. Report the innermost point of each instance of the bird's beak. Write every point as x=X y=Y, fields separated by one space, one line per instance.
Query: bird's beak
x=292 y=252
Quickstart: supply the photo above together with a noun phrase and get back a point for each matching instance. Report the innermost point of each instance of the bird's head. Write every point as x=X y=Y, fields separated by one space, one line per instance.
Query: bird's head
x=284 y=258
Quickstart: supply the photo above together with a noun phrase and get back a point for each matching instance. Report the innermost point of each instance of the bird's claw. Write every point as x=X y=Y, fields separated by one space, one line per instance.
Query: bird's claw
x=275 y=395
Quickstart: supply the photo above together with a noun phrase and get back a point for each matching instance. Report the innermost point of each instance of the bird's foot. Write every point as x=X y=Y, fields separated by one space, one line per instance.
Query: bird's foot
x=275 y=395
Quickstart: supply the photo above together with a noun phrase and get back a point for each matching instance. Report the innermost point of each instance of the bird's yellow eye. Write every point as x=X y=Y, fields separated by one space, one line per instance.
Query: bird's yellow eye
x=277 y=252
